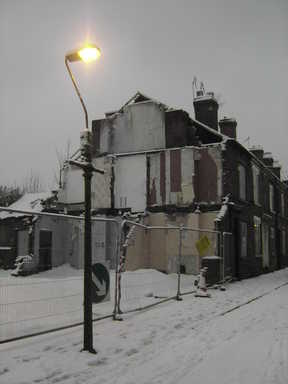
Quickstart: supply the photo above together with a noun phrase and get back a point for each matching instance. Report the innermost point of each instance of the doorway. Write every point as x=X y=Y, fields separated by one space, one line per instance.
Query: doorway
x=236 y=237
x=265 y=237
x=45 y=250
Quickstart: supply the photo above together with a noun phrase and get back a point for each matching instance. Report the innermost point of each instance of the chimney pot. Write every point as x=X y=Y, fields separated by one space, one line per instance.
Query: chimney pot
x=206 y=109
x=228 y=127
x=257 y=151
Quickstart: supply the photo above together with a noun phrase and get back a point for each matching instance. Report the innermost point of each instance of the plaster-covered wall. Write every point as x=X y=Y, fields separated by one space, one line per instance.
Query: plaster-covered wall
x=98 y=236
x=101 y=184
x=23 y=242
x=159 y=248
x=167 y=177
x=72 y=191
x=138 y=256
x=68 y=240
x=141 y=126
x=171 y=175
x=58 y=227
x=130 y=182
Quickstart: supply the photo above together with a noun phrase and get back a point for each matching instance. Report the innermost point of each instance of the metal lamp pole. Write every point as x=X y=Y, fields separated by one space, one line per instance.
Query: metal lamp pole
x=86 y=54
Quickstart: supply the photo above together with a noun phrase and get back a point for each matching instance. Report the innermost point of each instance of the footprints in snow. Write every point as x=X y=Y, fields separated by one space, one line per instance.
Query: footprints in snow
x=3 y=371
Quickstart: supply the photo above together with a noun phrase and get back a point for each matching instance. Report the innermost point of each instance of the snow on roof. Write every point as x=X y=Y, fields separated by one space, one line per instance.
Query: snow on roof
x=139 y=97
x=207 y=96
x=211 y=130
x=28 y=202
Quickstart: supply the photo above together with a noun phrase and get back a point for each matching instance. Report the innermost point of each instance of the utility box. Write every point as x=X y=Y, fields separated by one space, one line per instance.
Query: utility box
x=213 y=264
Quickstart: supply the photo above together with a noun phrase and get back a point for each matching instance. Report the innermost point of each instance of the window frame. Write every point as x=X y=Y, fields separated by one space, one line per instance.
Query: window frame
x=282 y=200
x=258 y=246
x=271 y=197
x=256 y=184
x=283 y=242
x=242 y=182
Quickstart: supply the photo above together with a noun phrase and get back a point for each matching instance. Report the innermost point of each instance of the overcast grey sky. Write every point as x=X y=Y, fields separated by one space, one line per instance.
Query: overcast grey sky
x=238 y=48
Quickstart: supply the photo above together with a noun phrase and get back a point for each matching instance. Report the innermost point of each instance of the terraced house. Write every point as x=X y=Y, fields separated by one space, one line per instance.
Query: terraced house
x=190 y=171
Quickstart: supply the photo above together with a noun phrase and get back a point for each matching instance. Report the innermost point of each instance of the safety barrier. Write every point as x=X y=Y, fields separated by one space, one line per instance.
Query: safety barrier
x=148 y=265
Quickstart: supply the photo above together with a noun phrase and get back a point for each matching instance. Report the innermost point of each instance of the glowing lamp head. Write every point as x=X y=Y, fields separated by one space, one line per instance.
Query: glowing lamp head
x=87 y=54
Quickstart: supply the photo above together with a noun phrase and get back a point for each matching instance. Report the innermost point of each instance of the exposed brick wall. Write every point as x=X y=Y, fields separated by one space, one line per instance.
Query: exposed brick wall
x=206 y=178
x=246 y=210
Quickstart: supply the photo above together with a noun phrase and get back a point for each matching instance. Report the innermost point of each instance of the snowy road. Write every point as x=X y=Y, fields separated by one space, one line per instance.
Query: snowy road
x=176 y=342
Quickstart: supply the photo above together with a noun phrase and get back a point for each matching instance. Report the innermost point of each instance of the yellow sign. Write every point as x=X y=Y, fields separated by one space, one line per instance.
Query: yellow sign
x=202 y=245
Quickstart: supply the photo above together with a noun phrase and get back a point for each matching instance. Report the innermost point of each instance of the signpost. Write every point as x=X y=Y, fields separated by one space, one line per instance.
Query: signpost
x=100 y=283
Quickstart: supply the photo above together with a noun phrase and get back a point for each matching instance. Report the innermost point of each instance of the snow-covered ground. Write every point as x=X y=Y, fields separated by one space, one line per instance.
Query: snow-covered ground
x=197 y=340
x=54 y=298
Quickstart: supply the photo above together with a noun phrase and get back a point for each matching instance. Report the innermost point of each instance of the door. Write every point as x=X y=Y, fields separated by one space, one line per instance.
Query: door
x=236 y=235
x=265 y=237
x=23 y=242
x=45 y=250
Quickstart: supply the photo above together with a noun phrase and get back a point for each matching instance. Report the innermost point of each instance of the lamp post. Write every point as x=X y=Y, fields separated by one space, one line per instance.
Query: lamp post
x=86 y=54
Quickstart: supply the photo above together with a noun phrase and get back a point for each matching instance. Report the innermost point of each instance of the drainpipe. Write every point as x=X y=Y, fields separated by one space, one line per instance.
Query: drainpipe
x=198 y=213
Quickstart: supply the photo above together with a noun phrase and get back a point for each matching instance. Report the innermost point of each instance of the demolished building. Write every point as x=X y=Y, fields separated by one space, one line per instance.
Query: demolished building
x=175 y=169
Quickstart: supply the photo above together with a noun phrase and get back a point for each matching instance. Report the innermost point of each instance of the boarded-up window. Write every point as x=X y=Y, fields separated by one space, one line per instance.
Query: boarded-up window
x=175 y=171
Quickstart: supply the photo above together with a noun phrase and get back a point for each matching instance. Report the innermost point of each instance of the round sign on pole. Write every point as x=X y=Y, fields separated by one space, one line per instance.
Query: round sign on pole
x=100 y=283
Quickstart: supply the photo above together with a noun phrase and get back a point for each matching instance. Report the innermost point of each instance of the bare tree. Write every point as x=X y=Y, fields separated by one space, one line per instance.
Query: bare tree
x=8 y=195
x=62 y=157
x=32 y=183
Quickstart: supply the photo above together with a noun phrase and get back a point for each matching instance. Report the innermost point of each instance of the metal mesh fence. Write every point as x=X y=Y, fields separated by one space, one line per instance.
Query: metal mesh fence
x=30 y=305
x=46 y=292
x=148 y=264
x=162 y=262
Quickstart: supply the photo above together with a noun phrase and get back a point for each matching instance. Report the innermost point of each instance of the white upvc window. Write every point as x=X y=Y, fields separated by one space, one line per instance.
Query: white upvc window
x=256 y=175
x=242 y=182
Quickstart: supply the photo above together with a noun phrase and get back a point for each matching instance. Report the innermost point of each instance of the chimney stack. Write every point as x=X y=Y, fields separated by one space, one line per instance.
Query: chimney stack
x=268 y=159
x=257 y=151
x=276 y=169
x=206 y=109
x=228 y=127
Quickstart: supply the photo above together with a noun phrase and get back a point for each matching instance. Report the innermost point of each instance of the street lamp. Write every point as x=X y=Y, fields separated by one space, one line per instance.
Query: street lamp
x=87 y=53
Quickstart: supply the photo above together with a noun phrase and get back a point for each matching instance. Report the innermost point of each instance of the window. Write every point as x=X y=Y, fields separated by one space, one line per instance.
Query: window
x=242 y=182
x=255 y=172
x=272 y=241
x=271 y=197
x=257 y=236
x=243 y=238
x=282 y=204
x=283 y=242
